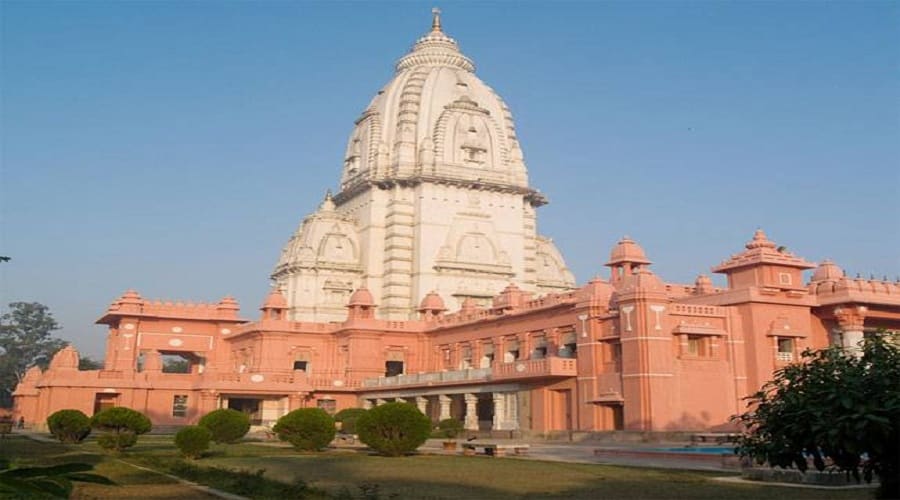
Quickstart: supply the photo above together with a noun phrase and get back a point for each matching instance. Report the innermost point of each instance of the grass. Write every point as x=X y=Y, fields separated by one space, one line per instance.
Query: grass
x=273 y=472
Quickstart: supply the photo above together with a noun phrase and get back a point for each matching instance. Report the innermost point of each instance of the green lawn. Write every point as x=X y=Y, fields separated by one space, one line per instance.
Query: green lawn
x=347 y=474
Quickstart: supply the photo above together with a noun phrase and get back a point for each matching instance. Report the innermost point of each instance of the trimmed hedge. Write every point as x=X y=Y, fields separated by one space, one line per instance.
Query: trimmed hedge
x=120 y=426
x=193 y=440
x=69 y=426
x=348 y=418
x=393 y=429
x=226 y=425
x=308 y=429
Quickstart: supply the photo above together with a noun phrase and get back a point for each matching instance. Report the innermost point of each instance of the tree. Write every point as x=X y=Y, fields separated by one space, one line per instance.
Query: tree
x=69 y=426
x=393 y=429
x=25 y=340
x=348 y=417
x=308 y=429
x=838 y=406
x=226 y=425
x=193 y=440
x=121 y=426
x=89 y=363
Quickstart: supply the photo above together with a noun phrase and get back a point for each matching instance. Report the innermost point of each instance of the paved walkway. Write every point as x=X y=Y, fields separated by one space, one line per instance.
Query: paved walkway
x=583 y=452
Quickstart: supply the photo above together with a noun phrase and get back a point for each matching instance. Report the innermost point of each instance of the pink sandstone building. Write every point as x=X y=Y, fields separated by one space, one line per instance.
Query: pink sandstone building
x=424 y=279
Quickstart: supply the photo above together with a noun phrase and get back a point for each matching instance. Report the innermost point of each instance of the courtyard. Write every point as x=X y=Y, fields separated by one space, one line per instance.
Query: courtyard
x=551 y=471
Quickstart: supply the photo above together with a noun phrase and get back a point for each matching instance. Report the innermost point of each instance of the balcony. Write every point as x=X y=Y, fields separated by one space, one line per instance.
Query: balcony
x=517 y=370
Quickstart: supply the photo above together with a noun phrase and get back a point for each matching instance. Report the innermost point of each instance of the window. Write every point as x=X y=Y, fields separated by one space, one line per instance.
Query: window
x=511 y=356
x=329 y=405
x=613 y=352
x=568 y=350
x=301 y=365
x=539 y=352
x=785 y=349
x=179 y=405
x=697 y=346
x=465 y=361
x=393 y=368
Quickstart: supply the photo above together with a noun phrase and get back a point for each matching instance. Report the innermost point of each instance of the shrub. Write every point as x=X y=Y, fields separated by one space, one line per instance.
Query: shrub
x=226 y=425
x=193 y=440
x=450 y=428
x=348 y=418
x=69 y=426
x=307 y=429
x=121 y=427
x=393 y=429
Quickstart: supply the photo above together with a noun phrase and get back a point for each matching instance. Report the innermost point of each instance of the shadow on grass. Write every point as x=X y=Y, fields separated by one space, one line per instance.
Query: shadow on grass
x=443 y=477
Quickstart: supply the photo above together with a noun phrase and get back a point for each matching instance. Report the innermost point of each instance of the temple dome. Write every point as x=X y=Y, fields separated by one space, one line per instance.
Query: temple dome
x=627 y=250
x=432 y=302
x=435 y=119
x=827 y=271
x=361 y=297
x=275 y=300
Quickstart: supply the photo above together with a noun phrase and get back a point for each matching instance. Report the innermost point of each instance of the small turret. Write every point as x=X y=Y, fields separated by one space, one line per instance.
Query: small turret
x=275 y=306
x=432 y=306
x=361 y=304
x=625 y=259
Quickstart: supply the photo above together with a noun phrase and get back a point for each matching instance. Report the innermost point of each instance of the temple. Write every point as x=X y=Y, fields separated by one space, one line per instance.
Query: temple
x=424 y=279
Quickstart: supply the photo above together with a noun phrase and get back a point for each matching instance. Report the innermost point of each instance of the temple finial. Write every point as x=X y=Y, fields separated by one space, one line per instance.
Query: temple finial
x=435 y=19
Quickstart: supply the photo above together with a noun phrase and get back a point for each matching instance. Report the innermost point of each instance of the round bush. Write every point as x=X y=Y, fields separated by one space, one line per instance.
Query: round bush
x=69 y=426
x=393 y=429
x=450 y=428
x=348 y=418
x=193 y=440
x=308 y=429
x=226 y=425
x=121 y=427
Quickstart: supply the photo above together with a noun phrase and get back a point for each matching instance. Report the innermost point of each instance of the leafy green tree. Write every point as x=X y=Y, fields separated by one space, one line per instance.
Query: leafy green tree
x=226 y=425
x=348 y=417
x=120 y=426
x=25 y=340
x=308 y=429
x=69 y=426
x=193 y=440
x=88 y=363
x=393 y=429
x=836 y=406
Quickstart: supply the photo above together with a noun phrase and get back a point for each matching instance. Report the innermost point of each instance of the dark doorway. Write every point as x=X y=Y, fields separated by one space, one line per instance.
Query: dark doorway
x=393 y=368
x=485 y=410
x=104 y=401
x=248 y=406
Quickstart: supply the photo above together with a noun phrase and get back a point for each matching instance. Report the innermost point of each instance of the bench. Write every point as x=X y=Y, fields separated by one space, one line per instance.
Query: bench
x=718 y=437
x=494 y=449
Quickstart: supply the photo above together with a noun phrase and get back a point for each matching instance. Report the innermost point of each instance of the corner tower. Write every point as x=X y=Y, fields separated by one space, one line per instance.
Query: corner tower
x=434 y=190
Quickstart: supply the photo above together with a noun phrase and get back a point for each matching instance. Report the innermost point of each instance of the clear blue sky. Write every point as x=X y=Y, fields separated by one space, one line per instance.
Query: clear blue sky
x=173 y=147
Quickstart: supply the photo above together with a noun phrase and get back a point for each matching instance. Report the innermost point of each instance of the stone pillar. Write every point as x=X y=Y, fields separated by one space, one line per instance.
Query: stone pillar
x=444 y=401
x=471 y=412
x=499 y=411
x=851 y=320
x=295 y=401
x=422 y=405
x=208 y=401
x=512 y=411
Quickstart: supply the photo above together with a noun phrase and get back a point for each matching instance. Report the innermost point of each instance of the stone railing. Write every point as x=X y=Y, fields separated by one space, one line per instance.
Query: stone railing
x=430 y=378
x=546 y=367
x=697 y=310
x=530 y=368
